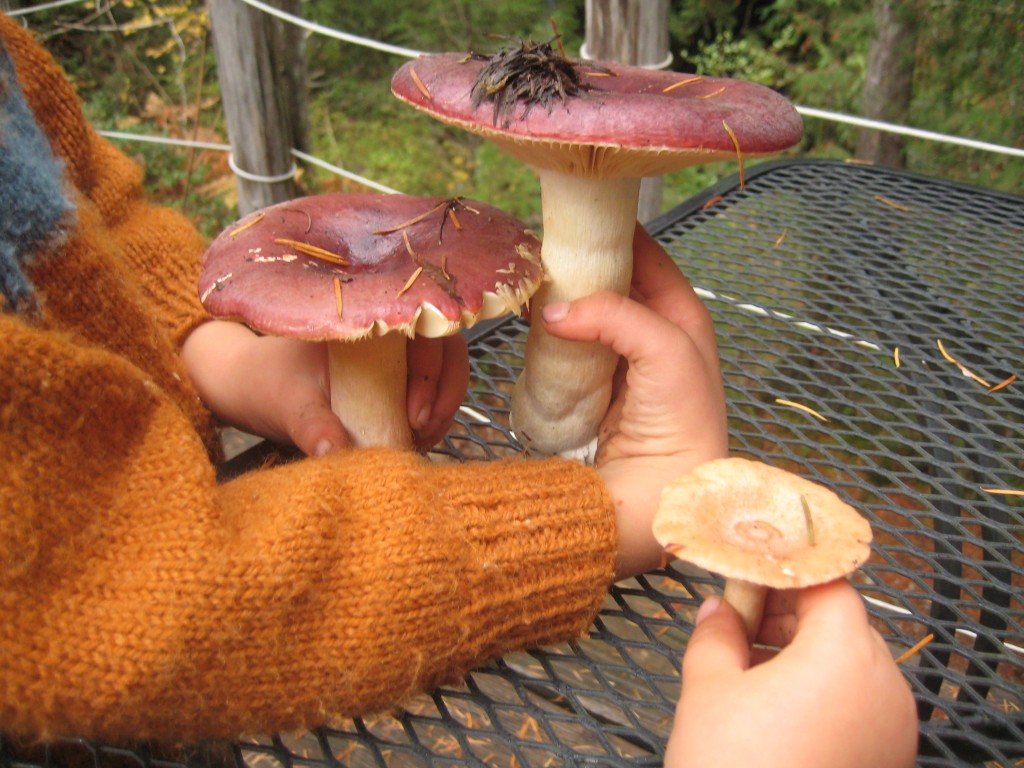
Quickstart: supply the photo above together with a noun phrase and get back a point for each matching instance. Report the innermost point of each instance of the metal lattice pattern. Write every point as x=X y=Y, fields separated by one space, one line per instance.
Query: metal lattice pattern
x=816 y=273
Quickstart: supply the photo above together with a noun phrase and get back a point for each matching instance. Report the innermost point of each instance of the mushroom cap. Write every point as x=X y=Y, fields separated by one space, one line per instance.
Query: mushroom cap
x=477 y=264
x=635 y=122
x=746 y=520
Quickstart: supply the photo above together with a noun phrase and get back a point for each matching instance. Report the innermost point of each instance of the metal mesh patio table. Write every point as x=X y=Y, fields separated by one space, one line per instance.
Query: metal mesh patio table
x=867 y=319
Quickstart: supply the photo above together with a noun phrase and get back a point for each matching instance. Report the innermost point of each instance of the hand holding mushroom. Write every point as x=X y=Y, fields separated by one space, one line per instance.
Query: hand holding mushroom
x=833 y=696
x=760 y=526
x=364 y=273
x=650 y=435
x=590 y=131
x=279 y=388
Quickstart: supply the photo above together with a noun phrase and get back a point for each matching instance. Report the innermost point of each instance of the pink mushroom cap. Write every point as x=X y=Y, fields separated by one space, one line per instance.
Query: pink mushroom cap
x=632 y=121
x=347 y=266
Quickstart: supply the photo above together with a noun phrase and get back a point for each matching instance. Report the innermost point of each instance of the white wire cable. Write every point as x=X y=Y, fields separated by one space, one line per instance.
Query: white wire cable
x=342 y=172
x=411 y=53
x=864 y=122
x=43 y=7
x=813 y=112
x=257 y=178
x=164 y=140
x=821 y=114
x=312 y=26
x=808 y=111
x=312 y=160
x=892 y=607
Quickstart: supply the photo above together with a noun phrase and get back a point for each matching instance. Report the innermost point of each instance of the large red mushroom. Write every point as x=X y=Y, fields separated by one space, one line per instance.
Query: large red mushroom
x=365 y=272
x=591 y=131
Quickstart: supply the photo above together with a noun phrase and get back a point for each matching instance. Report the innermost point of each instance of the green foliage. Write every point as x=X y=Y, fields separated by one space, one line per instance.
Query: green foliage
x=124 y=51
x=746 y=58
x=813 y=52
x=180 y=177
x=356 y=117
x=497 y=176
x=145 y=65
x=426 y=25
x=966 y=80
x=137 y=66
x=967 y=83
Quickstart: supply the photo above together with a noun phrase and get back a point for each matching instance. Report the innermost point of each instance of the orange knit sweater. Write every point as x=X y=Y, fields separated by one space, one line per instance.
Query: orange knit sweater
x=139 y=599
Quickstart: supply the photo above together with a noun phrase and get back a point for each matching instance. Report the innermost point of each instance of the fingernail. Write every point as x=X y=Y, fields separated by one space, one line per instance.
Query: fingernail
x=709 y=606
x=554 y=312
x=422 y=417
x=324 y=447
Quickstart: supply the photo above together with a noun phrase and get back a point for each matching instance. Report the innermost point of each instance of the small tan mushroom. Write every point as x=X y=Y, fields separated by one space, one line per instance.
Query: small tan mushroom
x=759 y=527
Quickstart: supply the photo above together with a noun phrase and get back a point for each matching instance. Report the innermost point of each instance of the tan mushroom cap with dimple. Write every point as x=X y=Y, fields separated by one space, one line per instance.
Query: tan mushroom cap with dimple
x=746 y=520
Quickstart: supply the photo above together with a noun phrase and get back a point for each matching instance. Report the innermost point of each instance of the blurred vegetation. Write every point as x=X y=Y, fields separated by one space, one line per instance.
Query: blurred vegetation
x=147 y=66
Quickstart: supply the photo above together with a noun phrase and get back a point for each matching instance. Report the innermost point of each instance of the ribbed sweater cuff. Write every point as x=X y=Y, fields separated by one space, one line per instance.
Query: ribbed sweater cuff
x=543 y=553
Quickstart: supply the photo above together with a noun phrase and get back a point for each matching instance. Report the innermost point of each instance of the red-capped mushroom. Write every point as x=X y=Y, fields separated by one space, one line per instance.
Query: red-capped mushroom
x=590 y=130
x=364 y=273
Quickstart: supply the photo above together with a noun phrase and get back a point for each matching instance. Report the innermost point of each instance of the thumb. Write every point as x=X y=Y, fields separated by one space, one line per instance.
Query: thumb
x=719 y=644
x=631 y=329
x=316 y=430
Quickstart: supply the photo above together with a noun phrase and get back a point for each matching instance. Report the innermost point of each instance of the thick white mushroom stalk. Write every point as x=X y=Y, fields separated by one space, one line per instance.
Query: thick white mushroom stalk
x=369 y=375
x=368 y=389
x=565 y=388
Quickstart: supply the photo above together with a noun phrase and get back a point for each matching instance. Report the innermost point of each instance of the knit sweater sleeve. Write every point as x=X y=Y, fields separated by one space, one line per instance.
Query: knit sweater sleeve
x=157 y=245
x=143 y=600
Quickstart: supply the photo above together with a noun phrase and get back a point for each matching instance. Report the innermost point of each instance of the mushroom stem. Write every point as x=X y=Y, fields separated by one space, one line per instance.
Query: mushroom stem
x=368 y=387
x=564 y=390
x=748 y=600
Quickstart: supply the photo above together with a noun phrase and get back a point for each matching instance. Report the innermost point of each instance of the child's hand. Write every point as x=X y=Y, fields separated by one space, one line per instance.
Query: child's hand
x=668 y=410
x=279 y=388
x=832 y=697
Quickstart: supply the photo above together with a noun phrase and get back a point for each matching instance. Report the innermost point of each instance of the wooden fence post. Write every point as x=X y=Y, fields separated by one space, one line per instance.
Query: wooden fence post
x=888 y=83
x=256 y=76
x=292 y=76
x=631 y=32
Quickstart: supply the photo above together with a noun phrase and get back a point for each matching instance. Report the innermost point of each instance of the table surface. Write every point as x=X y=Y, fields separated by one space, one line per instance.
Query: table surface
x=889 y=305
